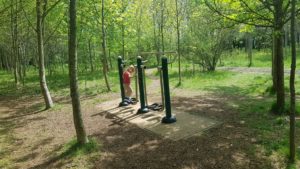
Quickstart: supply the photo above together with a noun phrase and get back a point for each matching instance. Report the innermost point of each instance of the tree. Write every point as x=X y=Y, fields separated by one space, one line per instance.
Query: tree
x=178 y=41
x=104 y=59
x=249 y=44
x=273 y=14
x=14 y=34
x=123 y=30
x=40 y=44
x=77 y=115
x=292 y=84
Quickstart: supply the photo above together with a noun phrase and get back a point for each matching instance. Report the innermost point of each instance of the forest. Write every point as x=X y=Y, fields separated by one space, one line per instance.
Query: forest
x=150 y=84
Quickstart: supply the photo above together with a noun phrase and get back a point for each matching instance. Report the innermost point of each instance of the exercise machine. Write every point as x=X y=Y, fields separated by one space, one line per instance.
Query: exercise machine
x=125 y=101
x=165 y=90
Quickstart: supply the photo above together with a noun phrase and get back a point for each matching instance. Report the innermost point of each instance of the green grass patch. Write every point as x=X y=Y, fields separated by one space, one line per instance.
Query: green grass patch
x=90 y=83
x=239 y=58
x=74 y=149
x=7 y=144
x=260 y=58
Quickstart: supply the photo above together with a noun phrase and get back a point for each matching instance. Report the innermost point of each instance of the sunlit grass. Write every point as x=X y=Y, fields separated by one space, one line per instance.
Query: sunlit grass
x=90 y=83
x=260 y=58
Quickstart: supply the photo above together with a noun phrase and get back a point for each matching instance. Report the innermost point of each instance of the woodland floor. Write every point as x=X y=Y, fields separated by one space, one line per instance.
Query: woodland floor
x=33 y=138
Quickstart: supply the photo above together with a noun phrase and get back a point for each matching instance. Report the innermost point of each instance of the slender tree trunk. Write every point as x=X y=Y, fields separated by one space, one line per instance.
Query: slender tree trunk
x=2 y=67
x=278 y=56
x=286 y=41
x=274 y=76
x=104 y=60
x=292 y=86
x=14 y=33
x=249 y=48
x=78 y=122
x=162 y=8
x=110 y=61
x=279 y=72
x=178 y=42
x=42 y=76
x=155 y=34
x=139 y=34
x=21 y=63
x=123 y=30
x=90 y=56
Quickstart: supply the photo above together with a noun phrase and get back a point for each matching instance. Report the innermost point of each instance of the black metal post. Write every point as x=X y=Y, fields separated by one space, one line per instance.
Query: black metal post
x=143 y=108
x=120 y=67
x=168 y=118
x=161 y=87
x=136 y=84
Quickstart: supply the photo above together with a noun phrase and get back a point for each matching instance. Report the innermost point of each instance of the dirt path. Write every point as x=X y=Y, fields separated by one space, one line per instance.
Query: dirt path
x=36 y=137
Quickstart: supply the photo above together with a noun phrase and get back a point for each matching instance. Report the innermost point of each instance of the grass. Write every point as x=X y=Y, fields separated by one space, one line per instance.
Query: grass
x=74 y=149
x=261 y=58
x=7 y=142
x=239 y=58
x=90 y=83
x=74 y=155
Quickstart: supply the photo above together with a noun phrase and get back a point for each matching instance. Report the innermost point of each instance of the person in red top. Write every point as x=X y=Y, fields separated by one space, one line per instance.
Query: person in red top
x=127 y=74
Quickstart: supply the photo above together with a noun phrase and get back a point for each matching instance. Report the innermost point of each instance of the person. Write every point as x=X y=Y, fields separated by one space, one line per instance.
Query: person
x=127 y=74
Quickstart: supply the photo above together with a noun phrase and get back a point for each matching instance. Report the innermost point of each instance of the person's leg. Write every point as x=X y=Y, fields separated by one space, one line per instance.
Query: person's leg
x=129 y=91
x=126 y=90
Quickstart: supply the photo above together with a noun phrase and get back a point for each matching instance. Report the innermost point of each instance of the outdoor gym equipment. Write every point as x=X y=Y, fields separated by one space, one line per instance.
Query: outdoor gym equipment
x=125 y=101
x=141 y=82
x=165 y=90
x=168 y=118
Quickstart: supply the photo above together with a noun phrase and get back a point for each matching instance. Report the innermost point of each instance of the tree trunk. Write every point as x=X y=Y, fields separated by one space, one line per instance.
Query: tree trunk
x=14 y=33
x=249 y=48
x=104 y=60
x=154 y=34
x=139 y=34
x=162 y=8
x=178 y=43
x=110 y=61
x=274 y=76
x=278 y=56
x=78 y=122
x=286 y=41
x=292 y=86
x=123 y=31
x=279 y=71
x=42 y=76
x=90 y=56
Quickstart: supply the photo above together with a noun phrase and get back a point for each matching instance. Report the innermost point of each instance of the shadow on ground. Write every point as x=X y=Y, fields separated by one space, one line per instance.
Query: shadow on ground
x=230 y=145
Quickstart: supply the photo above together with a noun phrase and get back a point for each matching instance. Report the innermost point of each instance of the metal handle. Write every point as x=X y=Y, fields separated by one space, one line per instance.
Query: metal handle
x=136 y=84
x=145 y=86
